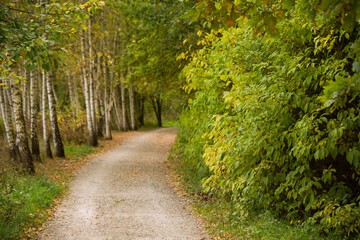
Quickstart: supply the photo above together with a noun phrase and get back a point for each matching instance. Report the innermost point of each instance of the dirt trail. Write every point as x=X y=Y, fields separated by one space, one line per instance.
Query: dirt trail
x=124 y=194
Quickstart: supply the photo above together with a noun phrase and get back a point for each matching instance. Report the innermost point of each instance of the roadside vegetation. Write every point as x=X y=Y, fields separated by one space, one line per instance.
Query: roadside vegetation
x=271 y=130
x=267 y=93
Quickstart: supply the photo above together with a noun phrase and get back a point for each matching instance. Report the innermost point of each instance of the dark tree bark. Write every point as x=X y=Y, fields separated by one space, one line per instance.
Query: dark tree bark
x=132 y=107
x=141 y=110
x=157 y=104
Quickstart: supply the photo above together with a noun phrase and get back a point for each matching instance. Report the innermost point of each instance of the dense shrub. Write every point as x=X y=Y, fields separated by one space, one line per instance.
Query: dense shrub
x=277 y=119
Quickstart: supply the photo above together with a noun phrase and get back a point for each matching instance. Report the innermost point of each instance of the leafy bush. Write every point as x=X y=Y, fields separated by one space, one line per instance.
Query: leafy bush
x=276 y=119
x=73 y=129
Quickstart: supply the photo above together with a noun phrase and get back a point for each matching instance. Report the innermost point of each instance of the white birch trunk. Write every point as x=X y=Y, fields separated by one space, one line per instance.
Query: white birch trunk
x=123 y=103
x=33 y=117
x=59 y=147
x=91 y=79
x=92 y=136
x=5 y=110
x=44 y=118
x=21 y=136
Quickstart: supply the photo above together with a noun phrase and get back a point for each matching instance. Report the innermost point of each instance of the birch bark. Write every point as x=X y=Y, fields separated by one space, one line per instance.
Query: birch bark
x=21 y=137
x=59 y=147
x=123 y=103
x=107 y=102
x=44 y=118
x=91 y=132
x=6 y=113
x=33 y=115
x=91 y=79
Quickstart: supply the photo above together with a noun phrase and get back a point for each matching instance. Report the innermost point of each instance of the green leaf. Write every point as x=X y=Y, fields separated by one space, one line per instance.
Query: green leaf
x=3 y=56
x=350 y=157
x=46 y=67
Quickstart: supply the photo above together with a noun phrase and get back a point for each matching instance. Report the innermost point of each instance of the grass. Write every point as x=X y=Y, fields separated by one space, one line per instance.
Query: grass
x=153 y=125
x=24 y=203
x=226 y=220
x=78 y=151
x=170 y=123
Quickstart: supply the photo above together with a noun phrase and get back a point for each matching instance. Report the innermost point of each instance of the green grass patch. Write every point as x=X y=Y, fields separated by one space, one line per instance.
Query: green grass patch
x=170 y=123
x=23 y=203
x=78 y=151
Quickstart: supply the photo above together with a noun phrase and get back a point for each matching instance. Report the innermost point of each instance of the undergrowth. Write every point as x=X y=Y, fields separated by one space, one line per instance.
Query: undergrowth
x=24 y=203
x=225 y=219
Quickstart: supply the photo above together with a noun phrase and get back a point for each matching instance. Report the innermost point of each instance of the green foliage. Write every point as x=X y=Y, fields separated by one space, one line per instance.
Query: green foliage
x=23 y=199
x=73 y=129
x=34 y=32
x=275 y=118
x=152 y=34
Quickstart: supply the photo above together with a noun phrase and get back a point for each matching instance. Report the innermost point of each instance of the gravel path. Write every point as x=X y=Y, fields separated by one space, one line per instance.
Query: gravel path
x=125 y=194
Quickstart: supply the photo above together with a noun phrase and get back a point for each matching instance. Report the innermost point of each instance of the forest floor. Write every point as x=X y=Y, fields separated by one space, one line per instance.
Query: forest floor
x=126 y=193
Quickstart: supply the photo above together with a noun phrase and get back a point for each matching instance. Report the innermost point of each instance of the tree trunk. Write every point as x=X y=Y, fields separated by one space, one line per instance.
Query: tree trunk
x=7 y=95
x=141 y=110
x=157 y=103
x=59 y=148
x=123 y=103
x=132 y=107
x=118 y=110
x=21 y=137
x=44 y=122
x=91 y=132
x=53 y=85
x=74 y=98
x=107 y=102
x=98 y=101
x=33 y=110
x=25 y=96
x=91 y=79
x=5 y=110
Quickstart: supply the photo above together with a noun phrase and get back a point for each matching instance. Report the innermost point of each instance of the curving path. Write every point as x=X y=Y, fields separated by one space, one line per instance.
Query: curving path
x=125 y=194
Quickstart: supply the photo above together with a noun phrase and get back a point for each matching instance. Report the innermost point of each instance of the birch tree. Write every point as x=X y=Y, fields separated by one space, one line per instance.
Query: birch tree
x=123 y=103
x=58 y=145
x=21 y=136
x=91 y=132
x=91 y=79
x=73 y=94
x=107 y=101
x=44 y=118
x=33 y=114
x=6 y=113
